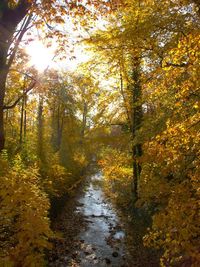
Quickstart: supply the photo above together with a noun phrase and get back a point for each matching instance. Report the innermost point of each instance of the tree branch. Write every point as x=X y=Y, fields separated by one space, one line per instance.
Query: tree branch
x=24 y=73
x=22 y=32
x=20 y=97
x=181 y=65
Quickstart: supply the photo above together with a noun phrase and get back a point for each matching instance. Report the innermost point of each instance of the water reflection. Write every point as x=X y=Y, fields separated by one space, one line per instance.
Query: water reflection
x=102 y=245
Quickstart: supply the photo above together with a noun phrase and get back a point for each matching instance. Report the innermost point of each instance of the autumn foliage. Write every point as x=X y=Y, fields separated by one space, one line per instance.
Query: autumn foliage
x=24 y=215
x=134 y=106
x=168 y=185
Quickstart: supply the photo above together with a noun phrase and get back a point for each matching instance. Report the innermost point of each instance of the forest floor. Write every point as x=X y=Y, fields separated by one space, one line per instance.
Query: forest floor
x=93 y=233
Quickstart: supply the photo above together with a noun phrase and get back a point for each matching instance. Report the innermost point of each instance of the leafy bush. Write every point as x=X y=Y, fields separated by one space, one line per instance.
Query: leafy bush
x=23 y=216
x=56 y=180
x=117 y=175
x=176 y=228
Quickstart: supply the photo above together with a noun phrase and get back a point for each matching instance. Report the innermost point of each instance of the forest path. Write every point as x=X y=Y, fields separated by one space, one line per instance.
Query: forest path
x=93 y=234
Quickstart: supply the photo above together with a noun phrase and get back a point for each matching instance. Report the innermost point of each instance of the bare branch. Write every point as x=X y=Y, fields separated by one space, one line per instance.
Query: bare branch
x=24 y=73
x=21 y=96
x=181 y=65
x=25 y=27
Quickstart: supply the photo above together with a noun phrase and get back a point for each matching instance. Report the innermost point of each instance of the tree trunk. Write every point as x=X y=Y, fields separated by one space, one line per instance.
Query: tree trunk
x=2 y=96
x=2 y=137
x=125 y=102
x=9 y=19
x=40 y=130
x=137 y=116
x=57 y=125
x=25 y=114
x=21 y=122
x=84 y=121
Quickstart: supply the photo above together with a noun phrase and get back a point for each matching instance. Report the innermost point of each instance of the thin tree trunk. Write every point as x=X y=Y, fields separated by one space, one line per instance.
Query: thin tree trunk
x=125 y=101
x=84 y=120
x=2 y=96
x=137 y=116
x=40 y=130
x=57 y=126
x=58 y=137
x=60 y=131
x=25 y=114
x=21 y=122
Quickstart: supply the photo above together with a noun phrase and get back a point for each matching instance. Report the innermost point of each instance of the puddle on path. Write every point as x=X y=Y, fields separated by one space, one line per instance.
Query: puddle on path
x=102 y=242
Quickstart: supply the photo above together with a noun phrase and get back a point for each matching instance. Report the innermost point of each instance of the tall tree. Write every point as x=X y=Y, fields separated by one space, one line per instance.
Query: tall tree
x=10 y=17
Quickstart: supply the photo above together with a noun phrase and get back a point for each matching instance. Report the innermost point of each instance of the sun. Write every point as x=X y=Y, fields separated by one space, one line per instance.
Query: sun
x=41 y=57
